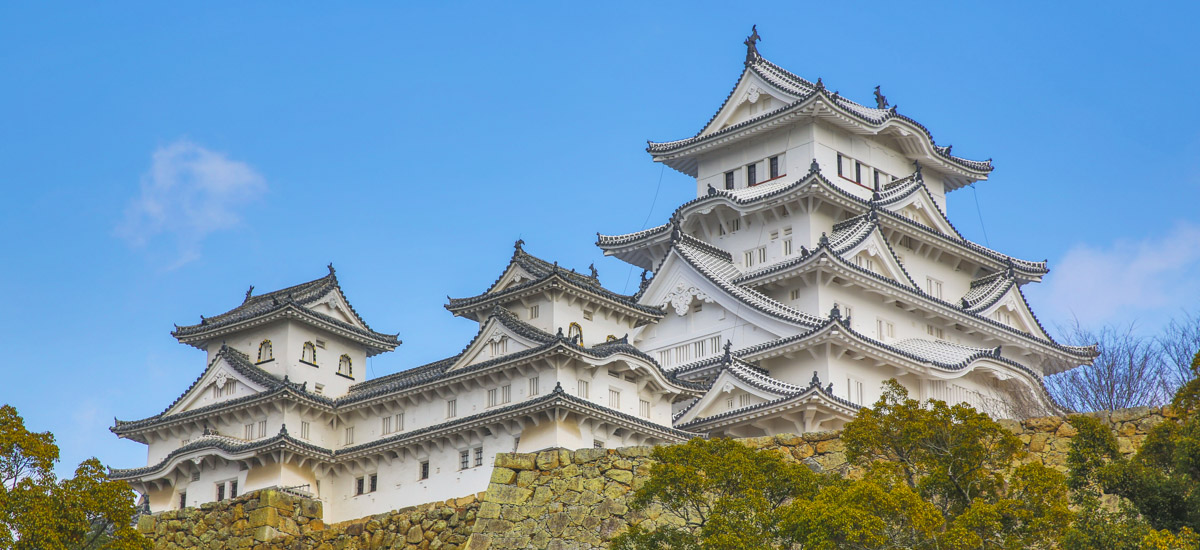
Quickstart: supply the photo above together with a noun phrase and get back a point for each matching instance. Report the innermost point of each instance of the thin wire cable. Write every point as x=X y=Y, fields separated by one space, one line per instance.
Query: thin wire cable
x=653 y=202
x=979 y=213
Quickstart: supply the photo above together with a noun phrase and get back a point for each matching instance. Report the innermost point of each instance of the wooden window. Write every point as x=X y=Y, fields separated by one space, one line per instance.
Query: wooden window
x=934 y=287
x=309 y=353
x=787 y=247
x=587 y=315
x=451 y=408
x=479 y=456
x=751 y=174
x=424 y=469
x=344 y=366
x=265 y=352
x=884 y=330
x=735 y=224
x=491 y=397
x=534 y=386
x=794 y=294
x=614 y=398
x=248 y=432
x=854 y=390
x=399 y=424
x=865 y=262
x=774 y=167
x=534 y=311
x=506 y=393
x=575 y=331
x=840 y=171
x=464 y=459
x=350 y=435
x=729 y=180
x=359 y=486
x=936 y=332
x=221 y=491
x=644 y=408
x=374 y=482
x=262 y=428
x=745 y=400
x=386 y=425
x=304 y=429
x=597 y=444
x=233 y=489
x=584 y=390
x=182 y=499
x=857 y=172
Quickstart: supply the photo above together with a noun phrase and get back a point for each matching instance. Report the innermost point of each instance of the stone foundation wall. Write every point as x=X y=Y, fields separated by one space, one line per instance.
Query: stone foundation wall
x=272 y=520
x=554 y=499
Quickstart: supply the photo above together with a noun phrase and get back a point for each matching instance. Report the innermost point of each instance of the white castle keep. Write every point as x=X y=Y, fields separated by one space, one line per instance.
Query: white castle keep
x=816 y=262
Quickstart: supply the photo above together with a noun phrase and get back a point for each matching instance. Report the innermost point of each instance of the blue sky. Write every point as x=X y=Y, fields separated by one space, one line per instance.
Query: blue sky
x=158 y=159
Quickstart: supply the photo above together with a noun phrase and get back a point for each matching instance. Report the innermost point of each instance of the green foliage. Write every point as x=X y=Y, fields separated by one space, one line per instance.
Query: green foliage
x=952 y=455
x=935 y=477
x=1159 y=486
x=38 y=511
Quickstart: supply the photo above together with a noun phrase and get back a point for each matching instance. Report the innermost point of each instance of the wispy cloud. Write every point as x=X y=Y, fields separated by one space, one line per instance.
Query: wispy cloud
x=1128 y=280
x=189 y=193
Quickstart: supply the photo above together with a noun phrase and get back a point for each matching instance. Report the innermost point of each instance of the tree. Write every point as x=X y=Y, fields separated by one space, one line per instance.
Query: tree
x=37 y=510
x=933 y=477
x=1178 y=343
x=1129 y=372
x=1159 y=487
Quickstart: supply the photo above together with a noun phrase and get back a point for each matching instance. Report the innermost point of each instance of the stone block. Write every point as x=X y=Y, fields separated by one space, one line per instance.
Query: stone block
x=145 y=524
x=503 y=476
x=1126 y=415
x=264 y=516
x=507 y=494
x=1066 y=430
x=525 y=478
x=788 y=440
x=547 y=460
x=620 y=476
x=515 y=461
x=757 y=442
x=1043 y=424
x=583 y=456
x=632 y=452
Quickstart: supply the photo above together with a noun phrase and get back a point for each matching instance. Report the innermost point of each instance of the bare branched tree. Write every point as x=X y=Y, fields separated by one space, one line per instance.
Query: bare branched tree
x=1128 y=373
x=1179 y=342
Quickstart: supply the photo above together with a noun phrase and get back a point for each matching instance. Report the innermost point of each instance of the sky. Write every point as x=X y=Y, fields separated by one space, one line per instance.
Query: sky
x=156 y=159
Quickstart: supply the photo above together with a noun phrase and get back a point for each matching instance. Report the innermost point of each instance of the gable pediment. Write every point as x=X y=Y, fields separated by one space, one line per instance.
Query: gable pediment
x=753 y=97
x=334 y=304
x=728 y=393
x=920 y=208
x=221 y=382
x=873 y=254
x=494 y=340
x=1012 y=310
x=512 y=276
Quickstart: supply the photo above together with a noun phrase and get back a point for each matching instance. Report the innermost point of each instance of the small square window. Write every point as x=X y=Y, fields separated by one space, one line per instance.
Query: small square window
x=534 y=311
x=424 y=469
x=464 y=460
x=774 y=162
x=587 y=315
x=728 y=180
x=374 y=482
x=751 y=174
x=359 y=486
x=479 y=456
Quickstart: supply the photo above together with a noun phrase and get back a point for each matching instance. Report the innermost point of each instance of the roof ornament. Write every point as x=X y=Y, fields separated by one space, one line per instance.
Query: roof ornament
x=203 y=320
x=331 y=269
x=829 y=388
x=728 y=351
x=804 y=251
x=948 y=149
x=892 y=110
x=751 y=43
x=917 y=173
x=558 y=387
x=881 y=101
x=814 y=167
x=712 y=190
x=824 y=240
x=644 y=279
x=816 y=380
x=560 y=334
x=592 y=267
x=517 y=245
x=1010 y=272
x=820 y=85
x=248 y=293
x=835 y=313
x=283 y=429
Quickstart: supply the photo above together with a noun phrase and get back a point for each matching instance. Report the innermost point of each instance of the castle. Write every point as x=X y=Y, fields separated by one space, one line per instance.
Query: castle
x=816 y=262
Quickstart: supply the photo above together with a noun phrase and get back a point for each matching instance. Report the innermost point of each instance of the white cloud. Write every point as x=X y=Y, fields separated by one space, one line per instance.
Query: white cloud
x=188 y=193
x=1127 y=280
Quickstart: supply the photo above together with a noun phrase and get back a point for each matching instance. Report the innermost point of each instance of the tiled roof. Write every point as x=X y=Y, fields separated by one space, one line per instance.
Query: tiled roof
x=544 y=274
x=299 y=297
x=806 y=92
x=814 y=391
x=240 y=363
x=986 y=291
x=556 y=397
x=717 y=266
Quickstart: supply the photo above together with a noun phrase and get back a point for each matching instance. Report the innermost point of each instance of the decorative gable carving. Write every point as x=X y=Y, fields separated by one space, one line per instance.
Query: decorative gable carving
x=681 y=297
